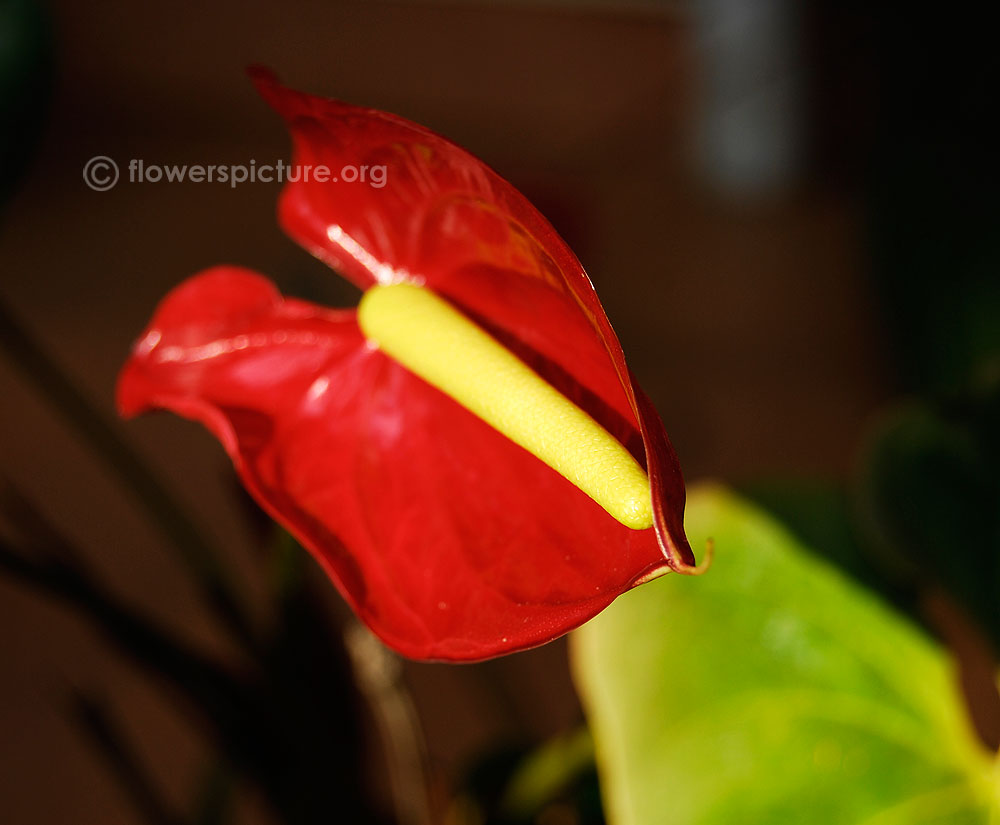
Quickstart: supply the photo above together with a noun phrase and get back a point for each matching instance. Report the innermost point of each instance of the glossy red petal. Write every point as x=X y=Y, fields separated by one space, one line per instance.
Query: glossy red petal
x=445 y=219
x=450 y=541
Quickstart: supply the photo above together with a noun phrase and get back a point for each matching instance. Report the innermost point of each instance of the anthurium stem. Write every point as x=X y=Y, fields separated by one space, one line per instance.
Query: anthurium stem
x=428 y=336
x=378 y=674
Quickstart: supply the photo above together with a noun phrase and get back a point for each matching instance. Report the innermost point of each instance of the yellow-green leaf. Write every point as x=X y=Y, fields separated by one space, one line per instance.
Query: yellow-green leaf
x=774 y=691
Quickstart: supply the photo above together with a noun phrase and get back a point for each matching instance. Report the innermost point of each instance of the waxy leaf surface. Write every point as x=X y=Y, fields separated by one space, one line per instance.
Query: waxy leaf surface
x=774 y=691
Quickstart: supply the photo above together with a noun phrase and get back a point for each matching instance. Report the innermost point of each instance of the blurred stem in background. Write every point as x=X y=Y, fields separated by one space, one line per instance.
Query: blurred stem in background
x=289 y=722
x=197 y=554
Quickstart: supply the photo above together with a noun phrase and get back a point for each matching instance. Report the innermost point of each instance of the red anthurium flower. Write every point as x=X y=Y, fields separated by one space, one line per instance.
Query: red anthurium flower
x=467 y=453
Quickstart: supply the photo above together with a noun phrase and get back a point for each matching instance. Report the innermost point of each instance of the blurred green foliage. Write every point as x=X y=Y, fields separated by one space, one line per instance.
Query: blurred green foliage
x=555 y=784
x=928 y=500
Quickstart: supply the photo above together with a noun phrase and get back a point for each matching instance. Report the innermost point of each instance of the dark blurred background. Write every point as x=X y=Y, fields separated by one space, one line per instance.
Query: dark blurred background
x=754 y=187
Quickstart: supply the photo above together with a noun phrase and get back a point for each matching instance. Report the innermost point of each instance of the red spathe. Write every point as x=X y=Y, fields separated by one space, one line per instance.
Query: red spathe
x=449 y=540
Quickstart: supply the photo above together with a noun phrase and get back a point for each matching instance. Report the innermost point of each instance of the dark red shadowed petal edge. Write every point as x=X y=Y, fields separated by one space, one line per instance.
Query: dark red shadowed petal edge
x=365 y=233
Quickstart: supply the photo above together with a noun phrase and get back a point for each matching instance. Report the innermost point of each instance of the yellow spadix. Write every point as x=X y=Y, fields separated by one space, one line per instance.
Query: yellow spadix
x=436 y=342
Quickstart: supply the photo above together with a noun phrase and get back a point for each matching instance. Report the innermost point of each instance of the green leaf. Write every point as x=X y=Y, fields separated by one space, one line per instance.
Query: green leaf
x=929 y=501
x=546 y=773
x=771 y=691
